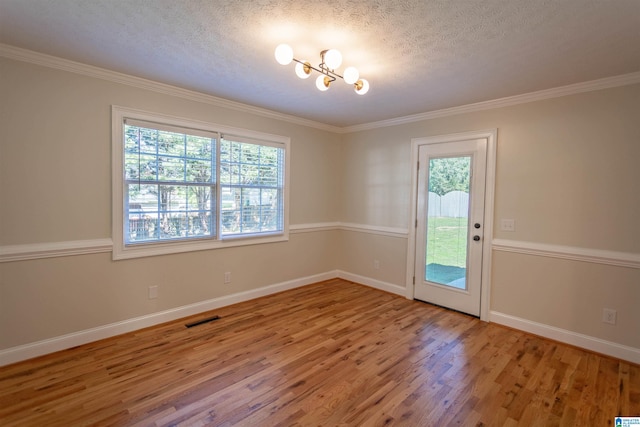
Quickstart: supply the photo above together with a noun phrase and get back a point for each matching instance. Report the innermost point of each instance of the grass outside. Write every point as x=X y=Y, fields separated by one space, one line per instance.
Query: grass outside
x=446 y=249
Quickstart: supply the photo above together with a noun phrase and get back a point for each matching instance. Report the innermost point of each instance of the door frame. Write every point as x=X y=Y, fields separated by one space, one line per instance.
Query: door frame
x=491 y=136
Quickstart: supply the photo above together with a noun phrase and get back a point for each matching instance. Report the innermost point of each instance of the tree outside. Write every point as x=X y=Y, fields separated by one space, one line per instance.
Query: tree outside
x=161 y=169
x=171 y=185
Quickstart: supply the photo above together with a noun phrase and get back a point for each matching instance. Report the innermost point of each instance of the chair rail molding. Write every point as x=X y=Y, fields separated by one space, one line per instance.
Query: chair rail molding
x=33 y=251
x=598 y=256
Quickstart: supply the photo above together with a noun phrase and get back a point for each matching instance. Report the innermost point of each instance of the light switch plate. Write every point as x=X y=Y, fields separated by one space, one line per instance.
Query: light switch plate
x=508 y=225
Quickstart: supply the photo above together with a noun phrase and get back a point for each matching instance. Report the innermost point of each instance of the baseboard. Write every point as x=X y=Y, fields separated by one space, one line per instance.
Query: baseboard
x=31 y=350
x=587 y=342
x=373 y=283
x=63 y=342
x=39 y=348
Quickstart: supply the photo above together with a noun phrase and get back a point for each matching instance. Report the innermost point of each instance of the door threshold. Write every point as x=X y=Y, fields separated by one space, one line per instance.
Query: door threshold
x=447 y=308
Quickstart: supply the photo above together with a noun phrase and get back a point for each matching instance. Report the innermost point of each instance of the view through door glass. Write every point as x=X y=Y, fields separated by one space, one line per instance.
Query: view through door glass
x=448 y=221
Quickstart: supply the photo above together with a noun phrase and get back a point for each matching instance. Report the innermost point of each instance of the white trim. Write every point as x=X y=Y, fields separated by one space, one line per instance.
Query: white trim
x=310 y=228
x=374 y=229
x=598 y=345
x=54 y=249
x=83 y=247
x=25 y=55
x=179 y=247
x=573 y=89
x=44 y=60
x=10 y=253
x=413 y=220
x=39 y=348
x=491 y=136
x=597 y=256
x=372 y=283
x=123 y=251
x=489 y=204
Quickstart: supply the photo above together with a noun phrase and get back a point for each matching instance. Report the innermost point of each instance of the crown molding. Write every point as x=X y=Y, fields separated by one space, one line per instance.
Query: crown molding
x=573 y=89
x=50 y=61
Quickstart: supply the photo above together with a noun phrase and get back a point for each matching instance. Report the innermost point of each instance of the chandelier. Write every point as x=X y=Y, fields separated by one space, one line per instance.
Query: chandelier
x=331 y=60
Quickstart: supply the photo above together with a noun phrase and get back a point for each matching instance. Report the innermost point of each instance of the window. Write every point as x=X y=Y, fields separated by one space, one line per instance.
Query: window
x=181 y=185
x=170 y=183
x=251 y=185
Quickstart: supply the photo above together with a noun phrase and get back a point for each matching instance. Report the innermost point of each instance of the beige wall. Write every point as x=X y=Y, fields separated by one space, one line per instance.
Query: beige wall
x=55 y=174
x=360 y=249
x=568 y=294
x=567 y=169
x=56 y=142
x=566 y=172
x=46 y=298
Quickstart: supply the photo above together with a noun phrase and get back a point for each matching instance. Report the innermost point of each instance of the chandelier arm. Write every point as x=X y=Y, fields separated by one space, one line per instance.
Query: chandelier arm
x=328 y=71
x=333 y=74
x=307 y=65
x=322 y=70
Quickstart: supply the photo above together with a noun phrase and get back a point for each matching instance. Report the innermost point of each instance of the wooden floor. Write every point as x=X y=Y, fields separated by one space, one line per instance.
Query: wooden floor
x=329 y=354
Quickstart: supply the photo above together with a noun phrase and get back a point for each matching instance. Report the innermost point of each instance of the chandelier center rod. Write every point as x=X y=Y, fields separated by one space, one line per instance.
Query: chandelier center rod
x=323 y=69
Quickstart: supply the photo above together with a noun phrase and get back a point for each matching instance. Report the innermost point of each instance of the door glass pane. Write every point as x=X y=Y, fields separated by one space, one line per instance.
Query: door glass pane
x=448 y=221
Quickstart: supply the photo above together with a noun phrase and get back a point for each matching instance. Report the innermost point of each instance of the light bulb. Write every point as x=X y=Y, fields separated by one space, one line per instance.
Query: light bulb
x=303 y=70
x=322 y=82
x=362 y=87
x=284 y=54
x=332 y=58
x=351 y=75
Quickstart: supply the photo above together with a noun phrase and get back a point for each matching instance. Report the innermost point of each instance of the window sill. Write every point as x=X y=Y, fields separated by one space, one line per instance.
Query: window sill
x=141 y=250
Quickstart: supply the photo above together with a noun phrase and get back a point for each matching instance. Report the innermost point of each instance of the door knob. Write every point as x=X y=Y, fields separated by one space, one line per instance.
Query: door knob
x=476 y=225
x=476 y=238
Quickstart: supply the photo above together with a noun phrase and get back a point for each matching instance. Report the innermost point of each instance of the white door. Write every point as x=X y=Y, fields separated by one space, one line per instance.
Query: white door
x=450 y=224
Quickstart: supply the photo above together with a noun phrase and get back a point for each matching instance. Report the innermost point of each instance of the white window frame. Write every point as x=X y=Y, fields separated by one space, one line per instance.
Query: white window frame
x=121 y=250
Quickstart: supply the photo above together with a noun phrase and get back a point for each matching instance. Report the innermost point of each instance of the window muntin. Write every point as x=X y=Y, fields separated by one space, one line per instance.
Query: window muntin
x=170 y=184
x=167 y=191
x=252 y=183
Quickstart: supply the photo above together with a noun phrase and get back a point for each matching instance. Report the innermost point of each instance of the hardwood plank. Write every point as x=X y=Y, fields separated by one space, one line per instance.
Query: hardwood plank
x=333 y=353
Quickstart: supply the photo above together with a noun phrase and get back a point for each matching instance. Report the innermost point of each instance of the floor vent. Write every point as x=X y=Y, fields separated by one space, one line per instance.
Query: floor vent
x=200 y=322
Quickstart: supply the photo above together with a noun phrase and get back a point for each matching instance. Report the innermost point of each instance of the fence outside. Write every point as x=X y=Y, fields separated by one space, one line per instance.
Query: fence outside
x=454 y=204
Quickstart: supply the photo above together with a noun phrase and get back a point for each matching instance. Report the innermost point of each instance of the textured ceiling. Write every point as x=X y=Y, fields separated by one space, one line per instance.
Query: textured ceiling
x=418 y=55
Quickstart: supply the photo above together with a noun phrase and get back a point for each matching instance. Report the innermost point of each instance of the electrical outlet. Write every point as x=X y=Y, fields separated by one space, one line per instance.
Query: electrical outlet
x=609 y=316
x=227 y=277
x=376 y=264
x=508 y=225
x=153 y=292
